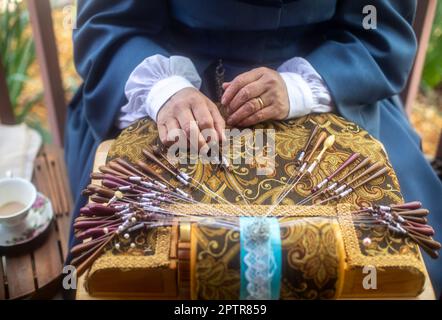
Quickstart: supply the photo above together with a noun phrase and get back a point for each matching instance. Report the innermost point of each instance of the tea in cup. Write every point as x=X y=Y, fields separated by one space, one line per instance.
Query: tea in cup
x=17 y=196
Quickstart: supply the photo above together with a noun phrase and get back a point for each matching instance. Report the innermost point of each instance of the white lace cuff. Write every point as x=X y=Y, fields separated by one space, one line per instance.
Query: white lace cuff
x=306 y=89
x=152 y=83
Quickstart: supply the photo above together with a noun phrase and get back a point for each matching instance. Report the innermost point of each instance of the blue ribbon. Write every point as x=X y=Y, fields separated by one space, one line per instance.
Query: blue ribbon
x=267 y=242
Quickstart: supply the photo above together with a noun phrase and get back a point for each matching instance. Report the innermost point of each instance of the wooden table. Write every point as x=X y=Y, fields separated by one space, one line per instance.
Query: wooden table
x=33 y=271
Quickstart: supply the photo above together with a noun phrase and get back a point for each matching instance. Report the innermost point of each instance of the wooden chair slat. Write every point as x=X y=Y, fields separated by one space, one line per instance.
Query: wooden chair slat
x=2 y=281
x=64 y=224
x=53 y=185
x=6 y=111
x=48 y=262
x=20 y=276
x=52 y=179
x=53 y=165
x=439 y=148
x=426 y=11
x=46 y=181
x=55 y=158
x=47 y=56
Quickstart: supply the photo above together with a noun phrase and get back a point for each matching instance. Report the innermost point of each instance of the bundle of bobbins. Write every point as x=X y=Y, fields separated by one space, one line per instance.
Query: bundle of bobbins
x=406 y=220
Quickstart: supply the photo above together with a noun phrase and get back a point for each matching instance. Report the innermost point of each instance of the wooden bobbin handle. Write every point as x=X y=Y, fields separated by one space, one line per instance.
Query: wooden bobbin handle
x=321 y=138
x=347 y=162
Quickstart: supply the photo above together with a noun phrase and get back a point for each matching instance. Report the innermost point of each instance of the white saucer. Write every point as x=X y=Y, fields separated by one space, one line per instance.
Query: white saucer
x=37 y=221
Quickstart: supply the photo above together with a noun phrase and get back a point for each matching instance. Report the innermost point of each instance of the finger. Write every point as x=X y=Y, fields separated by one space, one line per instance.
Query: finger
x=162 y=133
x=196 y=136
x=184 y=118
x=247 y=109
x=258 y=117
x=238 y=83
x=172 y=132
x=203 y=117
x=191 y=129
x=249 y=92
x=226 y=85
x=218 y=122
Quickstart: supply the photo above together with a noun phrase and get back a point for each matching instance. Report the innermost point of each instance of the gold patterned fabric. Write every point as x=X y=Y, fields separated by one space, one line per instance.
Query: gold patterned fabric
x=310 y=260
x=324 y=253
x=215 y=263
x=290 y=137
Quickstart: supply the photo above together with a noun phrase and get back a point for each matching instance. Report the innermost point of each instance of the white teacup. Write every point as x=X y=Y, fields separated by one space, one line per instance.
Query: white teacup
x=17 y=196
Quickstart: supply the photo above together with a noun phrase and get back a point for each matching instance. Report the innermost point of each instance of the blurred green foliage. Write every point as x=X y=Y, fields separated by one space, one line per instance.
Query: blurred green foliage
x=17 y=50
x=432 y=75
x=18 y=53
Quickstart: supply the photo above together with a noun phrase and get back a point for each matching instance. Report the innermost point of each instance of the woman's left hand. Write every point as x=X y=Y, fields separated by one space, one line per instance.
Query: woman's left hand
x=254 y=97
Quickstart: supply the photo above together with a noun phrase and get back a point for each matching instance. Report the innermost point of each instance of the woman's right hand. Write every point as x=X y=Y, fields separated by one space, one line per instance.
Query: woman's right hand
x=192 y=112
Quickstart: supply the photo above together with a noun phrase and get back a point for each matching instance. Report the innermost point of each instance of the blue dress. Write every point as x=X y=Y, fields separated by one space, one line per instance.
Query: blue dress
x=363 y=69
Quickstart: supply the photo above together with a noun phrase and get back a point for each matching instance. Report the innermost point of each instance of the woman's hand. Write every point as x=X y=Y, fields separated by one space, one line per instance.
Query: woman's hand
x=192 y=112
x=256 y=96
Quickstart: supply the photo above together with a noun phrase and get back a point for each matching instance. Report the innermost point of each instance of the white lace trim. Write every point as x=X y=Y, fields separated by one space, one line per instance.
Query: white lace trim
x=259 y=259
x=316 y=98
x=152 y=83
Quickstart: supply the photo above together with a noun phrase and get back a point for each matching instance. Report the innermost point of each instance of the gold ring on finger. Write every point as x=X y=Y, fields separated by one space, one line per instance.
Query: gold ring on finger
x=261 y=103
